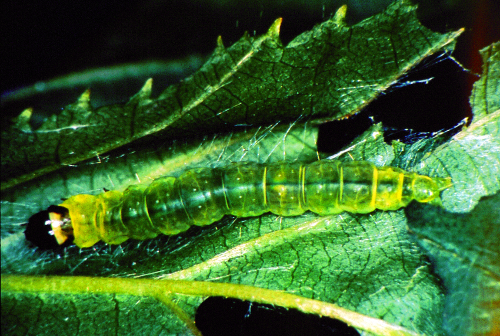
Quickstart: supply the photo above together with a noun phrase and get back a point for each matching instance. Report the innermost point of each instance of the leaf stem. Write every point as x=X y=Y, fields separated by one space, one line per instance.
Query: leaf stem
x=161 y=289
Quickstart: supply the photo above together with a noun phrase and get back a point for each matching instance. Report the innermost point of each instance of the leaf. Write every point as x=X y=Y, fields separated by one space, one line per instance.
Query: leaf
x=329 y=72
x=464 y=247
x=485 y=98
x=306 y=255
x=364 y=269
x=472 y=157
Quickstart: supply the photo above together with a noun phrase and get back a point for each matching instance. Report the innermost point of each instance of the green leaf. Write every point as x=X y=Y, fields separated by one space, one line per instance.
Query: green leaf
x=363 y=269
x=355 y=261
x=485 y=98
x=332 y=71
x=472 y=157
x=464 y=247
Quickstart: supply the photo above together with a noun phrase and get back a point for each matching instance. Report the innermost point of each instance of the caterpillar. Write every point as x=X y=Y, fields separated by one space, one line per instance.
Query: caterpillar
x=202 y=196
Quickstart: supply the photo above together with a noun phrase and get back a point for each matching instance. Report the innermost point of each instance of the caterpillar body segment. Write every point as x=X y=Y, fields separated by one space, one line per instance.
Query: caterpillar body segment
x=202 y=196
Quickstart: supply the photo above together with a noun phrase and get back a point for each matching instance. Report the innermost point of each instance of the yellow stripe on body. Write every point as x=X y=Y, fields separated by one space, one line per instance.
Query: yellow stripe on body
x=374 y=187
x=399 y=195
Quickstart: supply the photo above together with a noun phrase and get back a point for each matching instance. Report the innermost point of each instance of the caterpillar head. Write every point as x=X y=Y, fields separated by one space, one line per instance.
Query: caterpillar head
x=427 y=190
x=50 y=229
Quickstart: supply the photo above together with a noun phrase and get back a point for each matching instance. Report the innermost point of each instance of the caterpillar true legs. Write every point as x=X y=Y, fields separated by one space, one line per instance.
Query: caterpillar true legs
x=202 y=196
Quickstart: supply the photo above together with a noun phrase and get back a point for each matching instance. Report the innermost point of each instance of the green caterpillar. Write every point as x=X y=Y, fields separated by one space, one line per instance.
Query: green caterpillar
x=170 y=205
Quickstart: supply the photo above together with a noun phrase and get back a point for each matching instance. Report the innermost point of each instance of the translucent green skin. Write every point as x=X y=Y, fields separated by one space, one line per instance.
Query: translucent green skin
x=203 y=196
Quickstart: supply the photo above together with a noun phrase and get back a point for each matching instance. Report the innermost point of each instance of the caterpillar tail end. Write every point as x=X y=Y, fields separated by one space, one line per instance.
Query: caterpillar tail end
x=441 y=184
x=428 y=189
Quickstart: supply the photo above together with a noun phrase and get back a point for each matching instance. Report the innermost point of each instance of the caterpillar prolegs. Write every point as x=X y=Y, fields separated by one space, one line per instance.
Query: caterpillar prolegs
x=202 y=196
